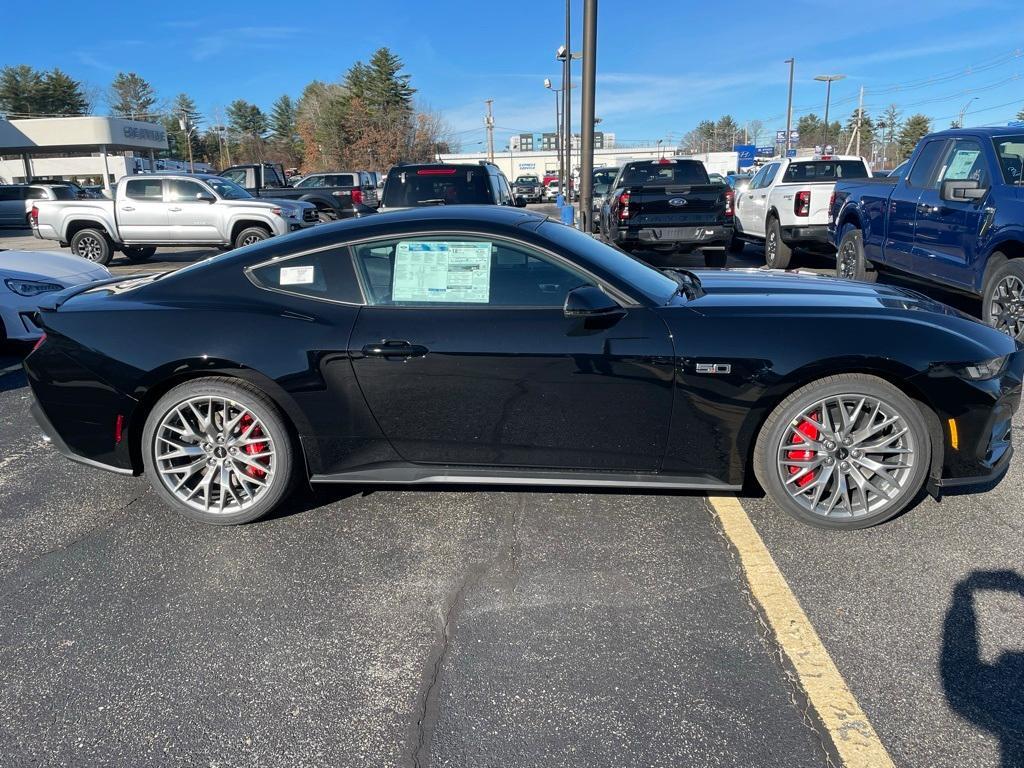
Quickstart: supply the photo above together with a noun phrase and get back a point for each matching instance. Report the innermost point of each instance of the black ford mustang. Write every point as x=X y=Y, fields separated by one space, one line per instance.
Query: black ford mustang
x=491 y=345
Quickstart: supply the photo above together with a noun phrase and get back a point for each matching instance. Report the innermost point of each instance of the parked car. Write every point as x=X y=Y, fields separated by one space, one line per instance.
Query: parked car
x=341 y=201
x=669 y=206
x=416 y=185
x=528 y=188
x=738 y=181
x=483 y=344
x=166 y=210
x=786 y=205
x=27 y=277
x=602 y=184
x=552 y=189
x=954 y=220
x=360 y=185
x=16 y=200
x=717 y=178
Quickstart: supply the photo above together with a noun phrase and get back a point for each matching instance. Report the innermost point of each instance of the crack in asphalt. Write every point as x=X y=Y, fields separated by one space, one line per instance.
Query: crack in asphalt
x=429 y=710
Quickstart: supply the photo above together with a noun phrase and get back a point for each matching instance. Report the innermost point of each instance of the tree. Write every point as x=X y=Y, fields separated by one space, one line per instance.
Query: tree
x=754 y=130
x=725 y=134
x=889 y=124
x=248 y=125
x=914 y=129
x=19 y=90
x=810 y=128
x=1020 y=115
x=178 y=138
x=59 y=94
x=867 y=132
x=132 y=97
x=387 y=90
x=285 y=143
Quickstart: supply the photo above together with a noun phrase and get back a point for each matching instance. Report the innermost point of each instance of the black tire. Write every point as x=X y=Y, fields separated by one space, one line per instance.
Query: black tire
x=251 y=235
x=777 y=429
x=1003 y=299
x=139 y=253
x=716 y=259
x=92 y=245
x=736 y=245
x=777 y=254
x=270 y=420
x=850 y=261
x=324 y=216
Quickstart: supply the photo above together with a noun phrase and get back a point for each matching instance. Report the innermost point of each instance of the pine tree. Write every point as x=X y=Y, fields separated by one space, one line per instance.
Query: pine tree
x=387 y=89
x=20 y=89
x=130 y=96
x=811 y=127
x=59 y=94
x=867 y=132
x=1020 y=115
x=282 y=119
x=249 y=125
x=183 y=108
x=725 y=133
x=914 y=129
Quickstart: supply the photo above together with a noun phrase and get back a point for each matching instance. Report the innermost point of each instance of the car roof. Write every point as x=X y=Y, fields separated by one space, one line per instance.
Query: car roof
x=988 y=131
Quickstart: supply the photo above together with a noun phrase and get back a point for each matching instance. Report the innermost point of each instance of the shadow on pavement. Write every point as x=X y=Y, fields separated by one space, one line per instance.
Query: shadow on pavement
x=989 y=695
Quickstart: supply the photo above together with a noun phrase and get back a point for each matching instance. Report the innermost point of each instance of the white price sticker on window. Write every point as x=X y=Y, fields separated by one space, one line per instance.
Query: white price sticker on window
x=297 y=275
x=442 y=271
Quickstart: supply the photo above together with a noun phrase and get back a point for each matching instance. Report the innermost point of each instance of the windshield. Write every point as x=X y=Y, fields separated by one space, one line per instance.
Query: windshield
x=527 y=180
x=436 y=186
x=670 y=172
x=605 y=176
x=825 y=170
x=1010 y=151
x=228 y=190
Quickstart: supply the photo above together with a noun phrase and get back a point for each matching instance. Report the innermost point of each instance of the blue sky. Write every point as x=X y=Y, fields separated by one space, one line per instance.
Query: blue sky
x=663 y=65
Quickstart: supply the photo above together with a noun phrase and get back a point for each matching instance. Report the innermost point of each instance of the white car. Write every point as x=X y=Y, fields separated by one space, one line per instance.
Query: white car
x=27 y=277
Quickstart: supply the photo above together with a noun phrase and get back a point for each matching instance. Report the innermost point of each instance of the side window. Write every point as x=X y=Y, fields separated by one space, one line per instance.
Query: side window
x=470 y=271
x=502 y=192
x=755 y=183
x=144 y=189
x=271 y=178
x=10 y=193
x=237 y=175
x=923 y=171
x=36 y=193
x=184 y=191
x=769 y=174
x=964 y=162
x=321 y=275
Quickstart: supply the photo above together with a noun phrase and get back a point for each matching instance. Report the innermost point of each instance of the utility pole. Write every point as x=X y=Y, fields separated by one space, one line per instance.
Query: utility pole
x=567 y=109
x=789 y=106
x=587 y=115
x=489 y=122
x=860 y=117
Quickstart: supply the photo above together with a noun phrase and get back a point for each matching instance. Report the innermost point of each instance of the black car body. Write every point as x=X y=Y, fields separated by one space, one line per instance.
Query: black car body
x=669 y=205
x=580 y=366
x=337 y=201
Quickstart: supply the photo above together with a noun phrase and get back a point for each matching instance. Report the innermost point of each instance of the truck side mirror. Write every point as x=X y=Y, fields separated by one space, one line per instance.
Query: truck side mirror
x=205 y=197
x=967 y=190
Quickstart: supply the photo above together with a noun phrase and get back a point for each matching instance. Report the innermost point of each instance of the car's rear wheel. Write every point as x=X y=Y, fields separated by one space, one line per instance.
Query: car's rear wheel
x=1004 y=298
x=93 y=245
x=250 y=236
x=776 y=253
x=139 y=253
x=218 y=451
x=847 y=451
x=850 y=261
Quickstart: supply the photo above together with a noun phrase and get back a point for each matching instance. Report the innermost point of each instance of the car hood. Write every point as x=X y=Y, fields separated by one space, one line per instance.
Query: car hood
x=32 y=265
x=287 y=204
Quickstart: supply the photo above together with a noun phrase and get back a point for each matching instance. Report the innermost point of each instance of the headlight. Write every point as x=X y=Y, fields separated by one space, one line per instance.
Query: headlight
x=31 y=287
x=982 y=371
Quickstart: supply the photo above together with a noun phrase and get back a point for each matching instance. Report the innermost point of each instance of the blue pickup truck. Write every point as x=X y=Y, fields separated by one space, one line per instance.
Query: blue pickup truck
x=952 y=217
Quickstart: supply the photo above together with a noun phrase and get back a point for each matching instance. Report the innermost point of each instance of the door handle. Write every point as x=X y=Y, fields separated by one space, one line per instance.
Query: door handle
x=394 y=348
x=127 y=208
x=174 y=209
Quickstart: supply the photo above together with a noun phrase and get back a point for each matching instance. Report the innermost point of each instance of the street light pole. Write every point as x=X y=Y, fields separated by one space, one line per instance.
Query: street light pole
x=558 y=126
x=789 y=106
x=828 y=80
x=587 y=119
x=963 y=111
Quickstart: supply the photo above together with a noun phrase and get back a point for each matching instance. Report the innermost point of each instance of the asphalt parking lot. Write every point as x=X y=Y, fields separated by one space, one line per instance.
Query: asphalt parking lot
x=468 y=627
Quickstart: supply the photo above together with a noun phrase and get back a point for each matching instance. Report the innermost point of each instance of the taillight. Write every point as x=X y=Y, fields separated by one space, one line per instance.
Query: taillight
x=624 y=206
x=357 y=197
x=729 y=196
x=34 y=215
x=832 y=202
x=39 y=343
x=802 y=203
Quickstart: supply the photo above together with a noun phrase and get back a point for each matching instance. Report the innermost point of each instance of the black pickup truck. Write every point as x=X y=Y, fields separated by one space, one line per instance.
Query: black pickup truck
x=332 y=202
x=668 y=206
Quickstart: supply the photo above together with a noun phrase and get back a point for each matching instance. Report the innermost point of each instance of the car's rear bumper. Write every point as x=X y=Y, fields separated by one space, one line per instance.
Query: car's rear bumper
x=52 y=436
x=816 y=234
x=711 y=235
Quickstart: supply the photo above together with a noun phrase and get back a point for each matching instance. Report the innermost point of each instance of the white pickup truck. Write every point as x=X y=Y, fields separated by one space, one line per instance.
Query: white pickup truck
x=786 y=205
x=156 y=210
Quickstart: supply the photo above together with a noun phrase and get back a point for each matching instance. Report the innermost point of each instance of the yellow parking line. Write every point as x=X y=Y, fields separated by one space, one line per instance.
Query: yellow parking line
x=852 y=735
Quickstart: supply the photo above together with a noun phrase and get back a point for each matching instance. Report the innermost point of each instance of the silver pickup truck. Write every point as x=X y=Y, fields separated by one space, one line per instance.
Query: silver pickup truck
x=166 y=210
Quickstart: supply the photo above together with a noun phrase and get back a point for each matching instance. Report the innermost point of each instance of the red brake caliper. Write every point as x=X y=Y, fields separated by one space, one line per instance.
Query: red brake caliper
x=809 y=430
x=253 y=448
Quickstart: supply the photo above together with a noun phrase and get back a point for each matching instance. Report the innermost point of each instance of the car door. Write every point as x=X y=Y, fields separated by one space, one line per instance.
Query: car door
x=140 y=211
x=465 y=356
x=945 y=229
x=744 y=203
x=901 y=217
x=191 y=219
x=12 y=205
x=759 y=201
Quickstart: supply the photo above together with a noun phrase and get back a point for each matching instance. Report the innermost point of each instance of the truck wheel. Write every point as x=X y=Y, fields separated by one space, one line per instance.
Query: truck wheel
x=850 y=261
x=93 y=245
x=1004 y=298
x=776 y=253
x=139 y=253
x=736 y=244
x=251 y=235
x=716 y=259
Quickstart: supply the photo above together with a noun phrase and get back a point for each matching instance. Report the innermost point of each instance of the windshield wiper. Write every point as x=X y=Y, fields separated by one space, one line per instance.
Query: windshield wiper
x=689 y=284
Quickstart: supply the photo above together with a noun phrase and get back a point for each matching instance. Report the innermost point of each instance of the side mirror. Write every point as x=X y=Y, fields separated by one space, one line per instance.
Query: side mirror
x=205 y=197
x=962 y=191
x=588 y=301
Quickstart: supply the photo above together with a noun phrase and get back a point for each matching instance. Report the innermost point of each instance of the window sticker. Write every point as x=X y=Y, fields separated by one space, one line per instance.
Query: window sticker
x=297 y=275
x=961 y=164
x=442 y=272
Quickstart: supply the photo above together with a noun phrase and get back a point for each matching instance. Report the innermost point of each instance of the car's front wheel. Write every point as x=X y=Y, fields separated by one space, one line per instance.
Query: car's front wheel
x=218 y=451
x=250 y=236
x=847 y=451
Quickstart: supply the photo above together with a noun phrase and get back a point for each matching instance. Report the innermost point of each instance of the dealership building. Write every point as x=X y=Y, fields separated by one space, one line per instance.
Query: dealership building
x=87 y=150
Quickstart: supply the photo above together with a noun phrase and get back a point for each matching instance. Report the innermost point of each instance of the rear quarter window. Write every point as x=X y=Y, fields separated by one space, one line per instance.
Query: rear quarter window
x=327 y=275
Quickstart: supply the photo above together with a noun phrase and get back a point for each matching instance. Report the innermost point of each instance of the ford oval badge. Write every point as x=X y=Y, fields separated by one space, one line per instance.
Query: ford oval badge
x=678 y=202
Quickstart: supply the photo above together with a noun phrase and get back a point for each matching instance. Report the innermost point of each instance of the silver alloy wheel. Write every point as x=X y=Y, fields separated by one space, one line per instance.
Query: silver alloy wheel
x=770 y=247
x=214 y=454
x=250 y=239
x=89 y=247
x=847 y=456
x=1006 y=308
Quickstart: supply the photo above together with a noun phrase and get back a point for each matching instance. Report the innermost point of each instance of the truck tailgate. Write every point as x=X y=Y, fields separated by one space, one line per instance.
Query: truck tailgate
x=677 y=205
